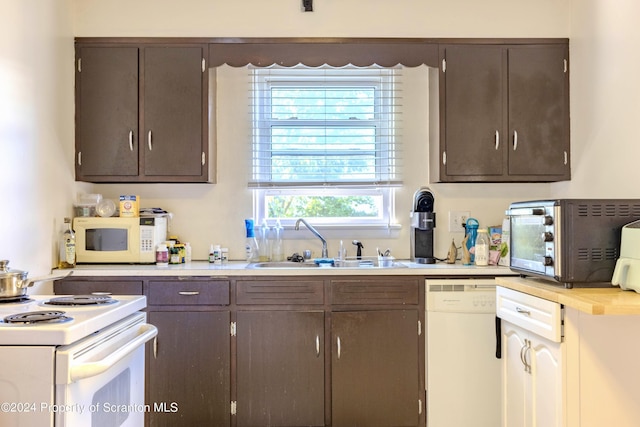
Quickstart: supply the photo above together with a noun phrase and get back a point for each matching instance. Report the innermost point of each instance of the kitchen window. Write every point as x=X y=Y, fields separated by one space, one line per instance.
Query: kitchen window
x=326 y=144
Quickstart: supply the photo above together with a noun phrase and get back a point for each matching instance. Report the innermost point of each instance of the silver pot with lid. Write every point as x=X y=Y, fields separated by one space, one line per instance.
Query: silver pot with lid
x=13 y=283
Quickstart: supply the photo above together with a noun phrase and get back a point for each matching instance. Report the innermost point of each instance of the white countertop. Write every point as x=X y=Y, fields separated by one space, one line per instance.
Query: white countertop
x=238 y=268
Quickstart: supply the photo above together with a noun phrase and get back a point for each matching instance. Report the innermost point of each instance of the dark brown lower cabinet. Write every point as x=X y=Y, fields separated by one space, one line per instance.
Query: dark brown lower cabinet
x=280 y=368
x=188 y=370
x=374 y=368
x=277 y=368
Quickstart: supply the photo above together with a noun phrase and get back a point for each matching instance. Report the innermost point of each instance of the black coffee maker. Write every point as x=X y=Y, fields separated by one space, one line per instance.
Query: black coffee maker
x=423 y=221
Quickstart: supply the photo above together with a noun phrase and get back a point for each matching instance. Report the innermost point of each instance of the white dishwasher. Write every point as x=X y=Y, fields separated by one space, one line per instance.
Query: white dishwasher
x=463 y=375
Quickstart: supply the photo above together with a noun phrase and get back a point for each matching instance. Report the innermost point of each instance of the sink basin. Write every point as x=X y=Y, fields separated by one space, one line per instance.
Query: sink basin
x=348 y=263
x=282 y=264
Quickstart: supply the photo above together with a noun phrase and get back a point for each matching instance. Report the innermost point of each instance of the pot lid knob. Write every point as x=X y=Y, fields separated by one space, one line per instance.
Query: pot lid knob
x=6 y=272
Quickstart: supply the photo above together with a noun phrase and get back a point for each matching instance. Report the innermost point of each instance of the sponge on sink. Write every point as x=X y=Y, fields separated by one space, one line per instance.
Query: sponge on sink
x=324 y=262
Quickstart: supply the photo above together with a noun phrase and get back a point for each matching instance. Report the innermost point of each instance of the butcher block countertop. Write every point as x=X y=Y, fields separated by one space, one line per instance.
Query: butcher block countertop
x=598 y=301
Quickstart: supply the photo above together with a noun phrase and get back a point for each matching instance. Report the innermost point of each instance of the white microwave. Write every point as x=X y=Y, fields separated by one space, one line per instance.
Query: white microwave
x=118 y=240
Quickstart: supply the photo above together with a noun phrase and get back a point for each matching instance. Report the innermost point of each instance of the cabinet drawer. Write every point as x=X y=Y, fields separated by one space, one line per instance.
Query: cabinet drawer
x=375 y=291
x=280 y=292
x=188 y=292
x=106 y=287
x=537 y=315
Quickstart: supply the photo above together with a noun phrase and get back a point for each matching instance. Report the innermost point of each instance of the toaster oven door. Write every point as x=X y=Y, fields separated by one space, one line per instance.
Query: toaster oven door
x=532 y=240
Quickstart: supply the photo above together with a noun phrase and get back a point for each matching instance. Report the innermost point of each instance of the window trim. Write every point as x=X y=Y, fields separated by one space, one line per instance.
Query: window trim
x=384 y=188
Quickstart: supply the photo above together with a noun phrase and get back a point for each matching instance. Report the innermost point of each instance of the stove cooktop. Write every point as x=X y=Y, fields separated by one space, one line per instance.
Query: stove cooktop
x=84 y=319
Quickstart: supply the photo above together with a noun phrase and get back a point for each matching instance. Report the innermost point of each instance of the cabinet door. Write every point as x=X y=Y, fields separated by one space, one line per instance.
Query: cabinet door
x=546 y=383
x=374 y=368
x=471 y=133
x=106 y=112
x=190 y=366
x=532 y=392
x=514 y=377
x=539 y=111
x=173 y=104
x=280 y=368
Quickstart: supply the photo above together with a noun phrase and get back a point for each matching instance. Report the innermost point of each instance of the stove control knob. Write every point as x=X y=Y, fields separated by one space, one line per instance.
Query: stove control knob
x=547 y=237
x=548 y=220
x=548 y=261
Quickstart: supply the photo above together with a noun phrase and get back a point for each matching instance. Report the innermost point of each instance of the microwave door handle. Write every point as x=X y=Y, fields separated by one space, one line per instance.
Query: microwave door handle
x=91 y=369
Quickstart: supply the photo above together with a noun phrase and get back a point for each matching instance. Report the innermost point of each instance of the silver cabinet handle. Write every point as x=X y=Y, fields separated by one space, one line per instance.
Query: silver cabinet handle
x=527 y=365
x=155 y=347
x=515 y=140
x=497 y=139
x=189 y=293
x=523 y=311
x=522 y=349
x=79 y=158
x=317 y=345
x=339 y=347
x=131 y=140
x=149 y=141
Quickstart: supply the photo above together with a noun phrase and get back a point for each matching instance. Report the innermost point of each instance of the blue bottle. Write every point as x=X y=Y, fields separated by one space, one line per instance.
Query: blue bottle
x=471 y=229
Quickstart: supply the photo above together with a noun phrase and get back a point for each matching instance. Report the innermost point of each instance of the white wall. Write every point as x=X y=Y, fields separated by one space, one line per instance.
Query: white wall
x=36 y=124
x=605 y=99
x=36 y=130
x=208 y=214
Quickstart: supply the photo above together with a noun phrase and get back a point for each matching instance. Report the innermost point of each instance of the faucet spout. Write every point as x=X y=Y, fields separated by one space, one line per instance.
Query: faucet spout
x=325 y=252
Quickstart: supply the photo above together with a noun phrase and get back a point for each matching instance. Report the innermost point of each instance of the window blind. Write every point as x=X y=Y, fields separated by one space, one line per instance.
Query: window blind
x=326 y=127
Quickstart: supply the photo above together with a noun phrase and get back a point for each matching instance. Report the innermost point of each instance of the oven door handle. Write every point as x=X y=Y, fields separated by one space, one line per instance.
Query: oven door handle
x=91 y=369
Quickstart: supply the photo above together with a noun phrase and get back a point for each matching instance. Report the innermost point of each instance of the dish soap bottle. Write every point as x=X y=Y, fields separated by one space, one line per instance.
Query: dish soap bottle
x=250 y=245
x=67 y=248
x=277 y=250
x=482 y=248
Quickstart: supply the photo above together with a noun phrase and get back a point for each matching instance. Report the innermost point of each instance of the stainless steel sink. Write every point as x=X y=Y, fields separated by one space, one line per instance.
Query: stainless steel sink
x=348 y=263
x=282 y=264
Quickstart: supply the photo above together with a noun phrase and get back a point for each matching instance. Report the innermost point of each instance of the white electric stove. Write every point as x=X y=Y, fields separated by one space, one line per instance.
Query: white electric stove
x=73 y=361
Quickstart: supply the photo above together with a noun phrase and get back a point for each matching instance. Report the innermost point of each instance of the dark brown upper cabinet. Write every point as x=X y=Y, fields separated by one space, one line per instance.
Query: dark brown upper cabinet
x=503 y=113
x=141 y=113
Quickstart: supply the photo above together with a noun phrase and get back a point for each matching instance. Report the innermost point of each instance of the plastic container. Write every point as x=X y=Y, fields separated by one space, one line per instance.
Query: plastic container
x=162 y=255
x=106 y=208
x=187 y=253
x=277 y=248
x=482 y=248
x=250 y=244
x=84 y=210
x=264 y=246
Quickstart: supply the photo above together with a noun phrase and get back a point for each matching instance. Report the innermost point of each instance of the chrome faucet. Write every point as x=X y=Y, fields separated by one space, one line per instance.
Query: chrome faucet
x=325 y=252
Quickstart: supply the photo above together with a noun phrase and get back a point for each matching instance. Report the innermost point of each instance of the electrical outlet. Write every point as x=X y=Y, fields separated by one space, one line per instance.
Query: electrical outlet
x=457 y=219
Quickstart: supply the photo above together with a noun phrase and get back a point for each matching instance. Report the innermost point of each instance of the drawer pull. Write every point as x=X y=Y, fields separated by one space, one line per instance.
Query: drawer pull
x=523 y=311
x=188 y=293
x=317 y=345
